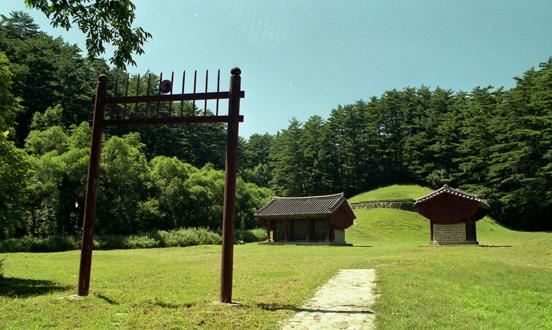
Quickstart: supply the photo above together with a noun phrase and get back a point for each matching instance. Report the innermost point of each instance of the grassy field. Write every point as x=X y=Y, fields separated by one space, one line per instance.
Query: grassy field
x=393 y=192
x=505 y=283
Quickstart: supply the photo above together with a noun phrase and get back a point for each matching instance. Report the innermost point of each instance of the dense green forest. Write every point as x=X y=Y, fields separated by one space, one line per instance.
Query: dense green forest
x=151 y=178
x=494 y=142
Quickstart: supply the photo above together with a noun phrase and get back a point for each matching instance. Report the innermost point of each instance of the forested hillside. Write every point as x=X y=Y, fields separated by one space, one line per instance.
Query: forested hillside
x=151 y=178
x=493 y=142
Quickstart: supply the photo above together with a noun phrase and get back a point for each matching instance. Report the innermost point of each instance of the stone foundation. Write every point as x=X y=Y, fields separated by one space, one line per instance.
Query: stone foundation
x=450 y=234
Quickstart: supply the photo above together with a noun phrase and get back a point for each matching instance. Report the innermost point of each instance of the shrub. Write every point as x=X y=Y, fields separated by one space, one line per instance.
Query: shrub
x=205 y=236
x=53 y=244
x=112 y=242
x=165 y=238
x=2 y=260
x=180 y=237
x=37 y=244
x=109 y=242
x=15 y=245
x=140 y=242
x=188 y=237
x=183 y=237
x=250 y=235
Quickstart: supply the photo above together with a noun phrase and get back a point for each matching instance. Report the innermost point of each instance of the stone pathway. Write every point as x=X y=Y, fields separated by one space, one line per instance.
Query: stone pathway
x=342 y=303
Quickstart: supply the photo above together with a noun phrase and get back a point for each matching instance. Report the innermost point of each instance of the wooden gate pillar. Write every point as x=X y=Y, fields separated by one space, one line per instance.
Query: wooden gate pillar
x=92 y=187
x=231 y=169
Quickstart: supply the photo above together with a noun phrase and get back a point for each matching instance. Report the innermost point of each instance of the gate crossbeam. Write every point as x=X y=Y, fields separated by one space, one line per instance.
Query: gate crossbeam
x=168 y=98
x=169 y=121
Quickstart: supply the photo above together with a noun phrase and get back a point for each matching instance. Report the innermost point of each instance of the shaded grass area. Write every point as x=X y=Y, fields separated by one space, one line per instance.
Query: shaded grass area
x=21 y=287
x=393 y=192
x=504 y=286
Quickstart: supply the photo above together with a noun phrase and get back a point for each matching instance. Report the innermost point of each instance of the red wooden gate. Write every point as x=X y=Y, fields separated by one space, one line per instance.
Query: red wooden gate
x=122 y=117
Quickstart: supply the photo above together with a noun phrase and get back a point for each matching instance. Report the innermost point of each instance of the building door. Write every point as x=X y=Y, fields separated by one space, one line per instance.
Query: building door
x=279 y=231
x=320 y=230
x=300 y=230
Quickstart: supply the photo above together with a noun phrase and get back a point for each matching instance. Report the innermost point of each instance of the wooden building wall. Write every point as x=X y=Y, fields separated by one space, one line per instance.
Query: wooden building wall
x=302 y=230
x=447 y=208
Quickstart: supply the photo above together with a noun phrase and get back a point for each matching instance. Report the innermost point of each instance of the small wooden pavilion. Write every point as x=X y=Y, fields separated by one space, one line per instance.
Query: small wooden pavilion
x=308 y=220
x=452 y=215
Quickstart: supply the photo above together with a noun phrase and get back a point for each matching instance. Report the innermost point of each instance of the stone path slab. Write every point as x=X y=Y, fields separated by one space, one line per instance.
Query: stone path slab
x=342 y=303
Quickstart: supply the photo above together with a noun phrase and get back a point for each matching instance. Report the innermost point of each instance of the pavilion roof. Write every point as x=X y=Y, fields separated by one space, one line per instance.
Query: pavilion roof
x=303 y=206
x=452 y=191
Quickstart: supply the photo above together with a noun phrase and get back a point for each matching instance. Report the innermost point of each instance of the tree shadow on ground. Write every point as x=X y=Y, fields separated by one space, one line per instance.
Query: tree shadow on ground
x=23 y=287
x=494 y=246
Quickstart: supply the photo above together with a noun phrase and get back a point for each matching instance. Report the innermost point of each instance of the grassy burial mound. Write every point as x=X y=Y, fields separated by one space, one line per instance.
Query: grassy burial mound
x=505 y=283
x=395 y=196
x=394 y=192
x=389 y=224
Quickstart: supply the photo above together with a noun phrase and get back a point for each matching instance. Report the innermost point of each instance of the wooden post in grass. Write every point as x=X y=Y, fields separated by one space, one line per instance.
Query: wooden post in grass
x=92 y=187
x=230 y=173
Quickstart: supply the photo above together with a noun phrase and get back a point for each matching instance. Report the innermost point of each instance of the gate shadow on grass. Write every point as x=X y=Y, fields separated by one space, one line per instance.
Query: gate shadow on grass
x=23 y=287
x=276 y=307
x=172 y=305
x=106 y=299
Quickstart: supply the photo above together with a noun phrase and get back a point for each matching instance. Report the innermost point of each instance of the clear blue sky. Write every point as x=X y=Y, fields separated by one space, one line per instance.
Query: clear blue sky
x=304 y=57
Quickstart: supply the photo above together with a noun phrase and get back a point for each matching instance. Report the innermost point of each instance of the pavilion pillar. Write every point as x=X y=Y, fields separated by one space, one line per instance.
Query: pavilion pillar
x=308 y=237
x=309 y=230
x=286 y=231
x=474 y=228
x=268 y=230
x=471 y=234
x=292 y=230
x=328 y=229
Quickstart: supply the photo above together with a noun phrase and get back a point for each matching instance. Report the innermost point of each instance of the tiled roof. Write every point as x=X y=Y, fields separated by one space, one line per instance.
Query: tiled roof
x=452 y=191
x=312 y=205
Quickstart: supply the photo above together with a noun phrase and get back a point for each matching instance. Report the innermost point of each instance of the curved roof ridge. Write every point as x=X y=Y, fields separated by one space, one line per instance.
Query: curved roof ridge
x=338 y=202
x=446 y=189
x=431 y=194
x=265 y=206
x=309 y=197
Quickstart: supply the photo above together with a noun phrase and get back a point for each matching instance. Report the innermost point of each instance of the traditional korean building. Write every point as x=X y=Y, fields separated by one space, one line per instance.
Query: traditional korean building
x=452 y=215
x=309 y=220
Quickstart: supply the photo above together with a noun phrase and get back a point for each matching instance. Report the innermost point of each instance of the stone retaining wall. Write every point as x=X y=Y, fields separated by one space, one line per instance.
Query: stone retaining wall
x=401 y=204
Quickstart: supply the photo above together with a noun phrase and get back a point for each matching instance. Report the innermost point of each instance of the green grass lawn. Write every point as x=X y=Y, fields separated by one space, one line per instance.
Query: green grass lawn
x=393 y=192
x=505 y=283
